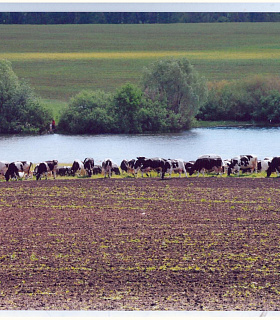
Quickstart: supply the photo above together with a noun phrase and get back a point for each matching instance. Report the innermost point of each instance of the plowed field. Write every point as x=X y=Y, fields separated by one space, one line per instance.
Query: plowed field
x=140 y=244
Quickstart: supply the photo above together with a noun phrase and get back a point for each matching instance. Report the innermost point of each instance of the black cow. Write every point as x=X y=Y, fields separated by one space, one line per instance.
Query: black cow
x=274 y=165
x=45 y=167
x=207 y=163
x=147 y=164
x=88 y=165
x=13 y=171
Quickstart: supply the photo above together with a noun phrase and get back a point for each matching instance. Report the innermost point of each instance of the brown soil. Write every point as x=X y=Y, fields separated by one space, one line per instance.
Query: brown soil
x=140 y=244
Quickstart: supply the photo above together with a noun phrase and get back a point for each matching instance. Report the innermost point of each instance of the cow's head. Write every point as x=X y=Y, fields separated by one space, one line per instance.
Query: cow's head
x=139 y=162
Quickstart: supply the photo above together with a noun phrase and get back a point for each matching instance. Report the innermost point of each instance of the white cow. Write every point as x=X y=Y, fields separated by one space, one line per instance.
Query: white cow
x=178 y=166
x=3 y=167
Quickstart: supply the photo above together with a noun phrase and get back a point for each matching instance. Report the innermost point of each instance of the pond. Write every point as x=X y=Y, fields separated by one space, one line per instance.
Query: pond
x=188 y=145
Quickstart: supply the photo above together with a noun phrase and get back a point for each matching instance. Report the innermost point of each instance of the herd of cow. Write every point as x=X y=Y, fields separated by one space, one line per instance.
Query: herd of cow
x=205 y=163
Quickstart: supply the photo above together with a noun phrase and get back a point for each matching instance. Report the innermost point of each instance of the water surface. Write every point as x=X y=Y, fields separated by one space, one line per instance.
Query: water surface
x=188 y=145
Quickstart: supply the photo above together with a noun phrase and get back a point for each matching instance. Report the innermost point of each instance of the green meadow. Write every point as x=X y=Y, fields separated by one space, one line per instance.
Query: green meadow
x=60 y=60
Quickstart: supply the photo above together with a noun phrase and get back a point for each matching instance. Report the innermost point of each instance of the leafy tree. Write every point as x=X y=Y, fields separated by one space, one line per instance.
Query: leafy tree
x=269 y=109
x=176 y=82
x=20 y=110
x=127 y=103
x=88 y=112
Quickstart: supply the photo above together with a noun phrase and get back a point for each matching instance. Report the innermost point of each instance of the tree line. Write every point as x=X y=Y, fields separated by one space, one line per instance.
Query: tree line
x=134 y=17
x=170 y=97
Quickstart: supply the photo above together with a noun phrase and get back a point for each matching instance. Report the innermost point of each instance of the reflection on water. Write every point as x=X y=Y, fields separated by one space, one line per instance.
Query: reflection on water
x=188 y=145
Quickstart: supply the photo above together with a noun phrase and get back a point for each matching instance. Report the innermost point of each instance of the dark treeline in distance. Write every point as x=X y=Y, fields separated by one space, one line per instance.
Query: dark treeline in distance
x=133 y=17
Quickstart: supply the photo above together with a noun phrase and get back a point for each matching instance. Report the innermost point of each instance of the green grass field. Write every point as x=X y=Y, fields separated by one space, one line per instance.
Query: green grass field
x=61 y=60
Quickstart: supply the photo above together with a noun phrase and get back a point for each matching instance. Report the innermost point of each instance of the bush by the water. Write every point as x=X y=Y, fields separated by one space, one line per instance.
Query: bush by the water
x=253 y=99
x=20 y=110
x=170 y=97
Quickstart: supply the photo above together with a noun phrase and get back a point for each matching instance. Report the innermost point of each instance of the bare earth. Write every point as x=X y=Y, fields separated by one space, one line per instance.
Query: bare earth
x=140 y=244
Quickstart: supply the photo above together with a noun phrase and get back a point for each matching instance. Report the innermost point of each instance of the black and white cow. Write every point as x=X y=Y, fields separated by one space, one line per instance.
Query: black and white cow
x=88 y=165
x=77 y=167
x=3 y=167
x=14 y=171
x=115 y=169
x=188 y=166
x=128 y=166
x=244 y=163
x=107 y=166
x=139 y=166
x=273 y=166
x=26 y=168
x=178 y=166
x=45 y=167
x=124 y=166
x=63 y=171
x=145 y=165
x=18 y=169
x=264 y=164
x=207 y=163
x=97 y=169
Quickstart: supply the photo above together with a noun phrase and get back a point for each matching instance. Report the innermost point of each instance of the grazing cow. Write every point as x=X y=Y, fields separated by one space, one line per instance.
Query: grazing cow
x=88 y=165
x=3 y=167
x=63 y=171
x=45 y=167
x=14 y=170
x=128 y=166
x=147 y=164
x=273 y=166
x=107 y=166
x=138 y=165
x=264 y=164
x=26 y=168
x=115 y=169
x=244 y=163
x=77 y=167
x=207 y=163
x=188 y=166
x=97 y=169
x=124 y=166
x=178 y=166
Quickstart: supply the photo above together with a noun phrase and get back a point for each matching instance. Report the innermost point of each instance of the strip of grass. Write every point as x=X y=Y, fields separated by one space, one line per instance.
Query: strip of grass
x=61 y=60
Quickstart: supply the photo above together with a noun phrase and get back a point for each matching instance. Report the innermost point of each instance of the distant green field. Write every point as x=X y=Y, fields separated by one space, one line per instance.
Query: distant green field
x=61 y=60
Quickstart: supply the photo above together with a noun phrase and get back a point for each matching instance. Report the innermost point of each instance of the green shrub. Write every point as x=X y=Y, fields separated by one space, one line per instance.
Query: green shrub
x=253 y=99
x=88 y=112
x=20 y=110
